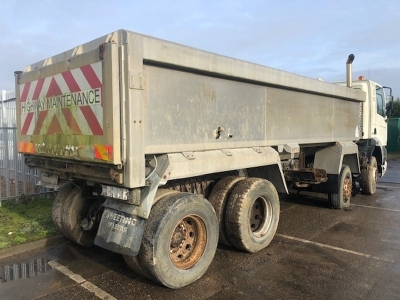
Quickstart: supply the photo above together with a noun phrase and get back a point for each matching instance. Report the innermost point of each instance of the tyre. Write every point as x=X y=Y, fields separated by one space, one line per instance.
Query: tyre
x=57 y=204
x=369 y=177
x=134 y=263
x=71 y=207
x=218 y=198
x=343 y=197
x=252 y=214
x=180 y=239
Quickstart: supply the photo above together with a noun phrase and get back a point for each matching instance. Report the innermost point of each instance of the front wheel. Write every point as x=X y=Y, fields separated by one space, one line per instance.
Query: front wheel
x=343 y=197
x=369 y=177
x=180 y=239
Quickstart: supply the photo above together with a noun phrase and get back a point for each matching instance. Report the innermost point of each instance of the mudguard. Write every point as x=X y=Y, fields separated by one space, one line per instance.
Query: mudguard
x=120 y=232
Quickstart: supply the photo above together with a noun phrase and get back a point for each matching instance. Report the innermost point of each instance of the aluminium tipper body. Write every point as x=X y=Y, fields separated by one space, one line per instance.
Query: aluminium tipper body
x=127 y=94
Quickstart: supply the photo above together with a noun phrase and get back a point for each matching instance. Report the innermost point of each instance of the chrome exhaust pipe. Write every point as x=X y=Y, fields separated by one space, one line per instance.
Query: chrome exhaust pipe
x=349 y=70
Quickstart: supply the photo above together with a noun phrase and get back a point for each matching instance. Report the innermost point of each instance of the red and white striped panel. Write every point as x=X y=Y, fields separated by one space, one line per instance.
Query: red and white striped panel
x=66 y=103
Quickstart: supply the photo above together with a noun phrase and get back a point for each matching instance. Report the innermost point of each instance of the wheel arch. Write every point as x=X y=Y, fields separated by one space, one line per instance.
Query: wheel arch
x=380 y=154
x=332 y=158
x=373 y=147
x=272 y=173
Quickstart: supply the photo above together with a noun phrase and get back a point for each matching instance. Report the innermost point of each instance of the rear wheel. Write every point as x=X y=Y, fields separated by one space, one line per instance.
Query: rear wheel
x=73 y=210
x=219 y=198
x=369 y=177
x=252 y=214
x=134 y=263
x=180 y=239
x=62 y=194
x=343 y=197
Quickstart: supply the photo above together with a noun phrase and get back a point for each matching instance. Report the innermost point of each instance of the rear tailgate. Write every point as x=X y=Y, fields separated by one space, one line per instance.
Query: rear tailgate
x=68 y=106
x=68 y=113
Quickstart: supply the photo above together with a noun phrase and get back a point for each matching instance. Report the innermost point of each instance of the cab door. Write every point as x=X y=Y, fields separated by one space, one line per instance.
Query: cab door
x=379 y=118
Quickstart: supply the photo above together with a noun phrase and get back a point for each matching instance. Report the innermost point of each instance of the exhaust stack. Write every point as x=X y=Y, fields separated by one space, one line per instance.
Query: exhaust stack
x=349 y=70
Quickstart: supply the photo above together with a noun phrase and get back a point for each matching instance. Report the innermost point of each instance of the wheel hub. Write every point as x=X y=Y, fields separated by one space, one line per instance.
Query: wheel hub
x=260 y=216
x=178 y=238
x=187 y=242
x=347 y=189
x=257 y=215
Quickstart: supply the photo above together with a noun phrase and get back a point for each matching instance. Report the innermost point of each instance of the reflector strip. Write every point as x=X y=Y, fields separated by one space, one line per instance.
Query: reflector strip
x=26 y=147
x=91 y=77
x=27 y=123
x=25 y=91
x=38 y=88
x=103 y=152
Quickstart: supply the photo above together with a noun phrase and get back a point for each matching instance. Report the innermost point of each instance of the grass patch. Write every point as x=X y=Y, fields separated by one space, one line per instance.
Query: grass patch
x=394 y=156
x=25 y=222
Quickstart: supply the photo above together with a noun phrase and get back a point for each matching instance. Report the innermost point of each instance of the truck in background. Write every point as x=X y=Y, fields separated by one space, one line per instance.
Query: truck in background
x=160 y=150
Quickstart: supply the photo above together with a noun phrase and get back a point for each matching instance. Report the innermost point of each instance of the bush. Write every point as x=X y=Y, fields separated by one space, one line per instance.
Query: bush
x=396 y=109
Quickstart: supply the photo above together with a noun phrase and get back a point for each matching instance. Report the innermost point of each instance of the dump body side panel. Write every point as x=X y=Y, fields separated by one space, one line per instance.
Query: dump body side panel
x=189 y=112
x=160 y=52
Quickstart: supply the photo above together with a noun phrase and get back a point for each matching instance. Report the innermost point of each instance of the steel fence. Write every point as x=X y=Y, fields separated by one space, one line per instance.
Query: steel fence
x=15 y=177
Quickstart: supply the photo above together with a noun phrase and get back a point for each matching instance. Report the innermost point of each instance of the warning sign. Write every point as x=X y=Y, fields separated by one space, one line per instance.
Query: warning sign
x=66 y=103
x=81 y=98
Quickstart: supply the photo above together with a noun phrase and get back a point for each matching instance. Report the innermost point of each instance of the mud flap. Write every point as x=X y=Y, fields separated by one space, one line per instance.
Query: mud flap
x=120 y=232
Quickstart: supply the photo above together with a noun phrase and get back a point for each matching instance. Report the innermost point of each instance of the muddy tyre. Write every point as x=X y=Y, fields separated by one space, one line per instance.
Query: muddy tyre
x=63 y=193
x=343 y=197
x=70 y=207
x=134 y=263
x=180 y=239
x=252 y=214
x=218 y=198
x=369 y=177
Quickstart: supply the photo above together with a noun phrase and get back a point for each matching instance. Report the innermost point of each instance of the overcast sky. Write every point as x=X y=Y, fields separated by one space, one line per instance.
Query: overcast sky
x=308 y=37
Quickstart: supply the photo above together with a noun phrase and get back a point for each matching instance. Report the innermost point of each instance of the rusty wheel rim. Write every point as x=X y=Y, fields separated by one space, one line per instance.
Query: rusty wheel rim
x=188 y=242
x=347 y=189
x=260 y=216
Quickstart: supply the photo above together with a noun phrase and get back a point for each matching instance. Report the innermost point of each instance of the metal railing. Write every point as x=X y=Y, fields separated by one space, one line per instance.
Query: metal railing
x=16 y=178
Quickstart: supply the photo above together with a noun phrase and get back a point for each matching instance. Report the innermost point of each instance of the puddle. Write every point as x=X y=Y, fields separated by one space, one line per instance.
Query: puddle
x=24 y=270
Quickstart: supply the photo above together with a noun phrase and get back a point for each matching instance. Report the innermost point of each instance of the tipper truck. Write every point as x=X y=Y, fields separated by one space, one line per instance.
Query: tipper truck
x=159 y=151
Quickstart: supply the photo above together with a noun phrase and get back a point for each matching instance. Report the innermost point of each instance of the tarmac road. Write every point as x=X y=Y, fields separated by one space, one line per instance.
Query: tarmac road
x=318 y=253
